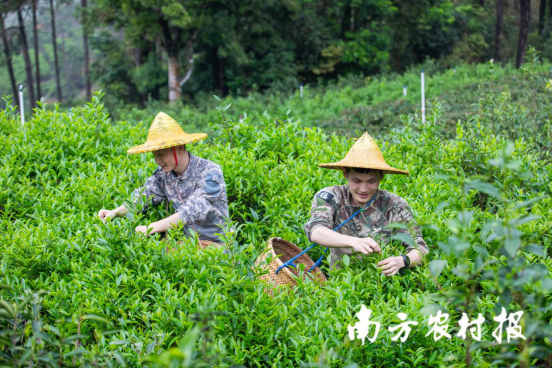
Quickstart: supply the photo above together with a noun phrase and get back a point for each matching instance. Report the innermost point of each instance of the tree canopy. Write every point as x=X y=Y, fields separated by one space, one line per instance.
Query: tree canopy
x=169 y=50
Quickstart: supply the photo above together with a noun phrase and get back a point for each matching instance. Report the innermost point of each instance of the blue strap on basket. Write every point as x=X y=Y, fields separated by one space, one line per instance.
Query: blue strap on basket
x=319 y=262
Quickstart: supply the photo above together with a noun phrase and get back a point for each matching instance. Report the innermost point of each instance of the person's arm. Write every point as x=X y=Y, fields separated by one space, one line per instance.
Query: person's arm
x=153 y=190
x=119 y=211
x=420 y=248
x=415 y=257
x=323 y=236
x=152 y=193
x=392 y=265
x=402 y=213
x=160 y=226
x=196 y=207
x=319 y=228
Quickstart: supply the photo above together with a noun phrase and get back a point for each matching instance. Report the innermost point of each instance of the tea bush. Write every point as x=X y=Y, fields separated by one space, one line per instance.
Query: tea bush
x=114 y=297
x=354 y=104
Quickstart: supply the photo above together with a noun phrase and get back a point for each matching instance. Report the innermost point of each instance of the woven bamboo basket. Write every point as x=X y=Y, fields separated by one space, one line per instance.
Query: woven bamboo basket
x=202 y=244
x=207 y=243
x=285 y=250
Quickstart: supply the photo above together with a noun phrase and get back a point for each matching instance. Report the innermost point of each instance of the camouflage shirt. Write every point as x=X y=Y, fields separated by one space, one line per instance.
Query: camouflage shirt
x=198 y=196
x=333 y=205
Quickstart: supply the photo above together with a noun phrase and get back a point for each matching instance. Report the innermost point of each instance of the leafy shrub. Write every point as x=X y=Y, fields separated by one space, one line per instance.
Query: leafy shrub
x=354 y=104
x=484 y=205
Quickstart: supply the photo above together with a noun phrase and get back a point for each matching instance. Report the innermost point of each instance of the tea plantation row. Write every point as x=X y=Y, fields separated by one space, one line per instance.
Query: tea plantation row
x=353 y=105
x=114 y=297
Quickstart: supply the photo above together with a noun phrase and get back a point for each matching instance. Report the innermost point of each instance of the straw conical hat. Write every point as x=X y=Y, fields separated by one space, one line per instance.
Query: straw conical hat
x=364 y=154
x=165 y=133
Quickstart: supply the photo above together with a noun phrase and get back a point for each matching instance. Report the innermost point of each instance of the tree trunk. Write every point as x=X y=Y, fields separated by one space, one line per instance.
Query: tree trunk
x=174 y=78
x=221 y=76
x=550 y=9
x=353 y=18
x=87 y=84
x=218 y=73
x=498 y=29
x=542 y=13
x=138 y=58
x=190 y=70
x=346 y=20
x=58 y=84
x=7 y=52
x=171 y=47
x=28 y=66
x=68 y=85
x=189 y=58
x=525 y=14
x=37 y=61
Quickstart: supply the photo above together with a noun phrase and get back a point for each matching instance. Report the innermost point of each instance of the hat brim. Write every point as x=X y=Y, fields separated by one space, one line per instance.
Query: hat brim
x=344 y=164
x=156 y=146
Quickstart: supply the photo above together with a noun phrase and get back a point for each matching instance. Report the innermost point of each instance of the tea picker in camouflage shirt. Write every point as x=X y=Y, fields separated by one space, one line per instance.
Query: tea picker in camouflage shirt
x=195 y=186
x=363 y=167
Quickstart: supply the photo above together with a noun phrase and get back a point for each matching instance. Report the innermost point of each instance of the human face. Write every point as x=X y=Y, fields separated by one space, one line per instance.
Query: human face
x=165 y=159
x=363 y=186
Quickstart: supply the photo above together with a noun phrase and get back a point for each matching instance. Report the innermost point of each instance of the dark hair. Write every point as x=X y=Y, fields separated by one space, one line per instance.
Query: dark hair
x=362 y=170
x=182 y=145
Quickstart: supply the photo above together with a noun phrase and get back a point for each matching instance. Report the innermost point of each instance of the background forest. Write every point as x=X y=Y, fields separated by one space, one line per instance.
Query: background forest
x=141 y=51
x=77 y=292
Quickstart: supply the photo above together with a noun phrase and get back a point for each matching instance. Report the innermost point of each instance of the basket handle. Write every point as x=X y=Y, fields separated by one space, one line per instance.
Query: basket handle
x=319 y=261
x=290 y=262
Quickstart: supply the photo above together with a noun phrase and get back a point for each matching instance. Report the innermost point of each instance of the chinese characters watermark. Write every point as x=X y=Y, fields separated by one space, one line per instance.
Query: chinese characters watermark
x=366 y=328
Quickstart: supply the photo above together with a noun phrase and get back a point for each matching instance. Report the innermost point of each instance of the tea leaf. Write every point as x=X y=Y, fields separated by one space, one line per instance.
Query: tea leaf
x=437 y=266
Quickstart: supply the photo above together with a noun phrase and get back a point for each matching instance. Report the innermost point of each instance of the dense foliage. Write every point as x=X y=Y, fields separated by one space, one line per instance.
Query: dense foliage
x=354 y=105
x=70 y=50
x=245 y=47
x=240 y=48
x=483 y=198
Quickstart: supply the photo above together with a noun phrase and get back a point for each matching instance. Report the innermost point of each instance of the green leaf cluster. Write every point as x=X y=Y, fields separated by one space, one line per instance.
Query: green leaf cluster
x=482 y=198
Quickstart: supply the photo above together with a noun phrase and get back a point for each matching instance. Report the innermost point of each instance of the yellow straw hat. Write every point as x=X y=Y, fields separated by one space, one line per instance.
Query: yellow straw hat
x=165 y=132
x=364 y=154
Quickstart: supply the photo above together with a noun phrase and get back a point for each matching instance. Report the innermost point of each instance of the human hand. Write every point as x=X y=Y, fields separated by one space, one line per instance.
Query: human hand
x=365 y=245
x=104 y=214
x=391 y=266
x=144 y=230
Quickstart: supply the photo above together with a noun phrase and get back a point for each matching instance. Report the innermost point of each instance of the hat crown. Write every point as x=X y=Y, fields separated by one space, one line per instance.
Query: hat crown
x=366 y=143
x=162 y=124
x=165 y=132
x=364 y=154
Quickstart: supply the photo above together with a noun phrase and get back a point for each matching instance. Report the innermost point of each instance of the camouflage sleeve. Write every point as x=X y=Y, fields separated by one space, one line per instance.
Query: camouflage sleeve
x=152 y=193
x=202 y=201
x=323 y=209
x=402 y=213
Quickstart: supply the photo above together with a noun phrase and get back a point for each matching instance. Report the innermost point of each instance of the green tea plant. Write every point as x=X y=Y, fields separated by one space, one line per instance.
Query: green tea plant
x=520 y=109
x=483 y=204
x=26 y=340
x=352 y=105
